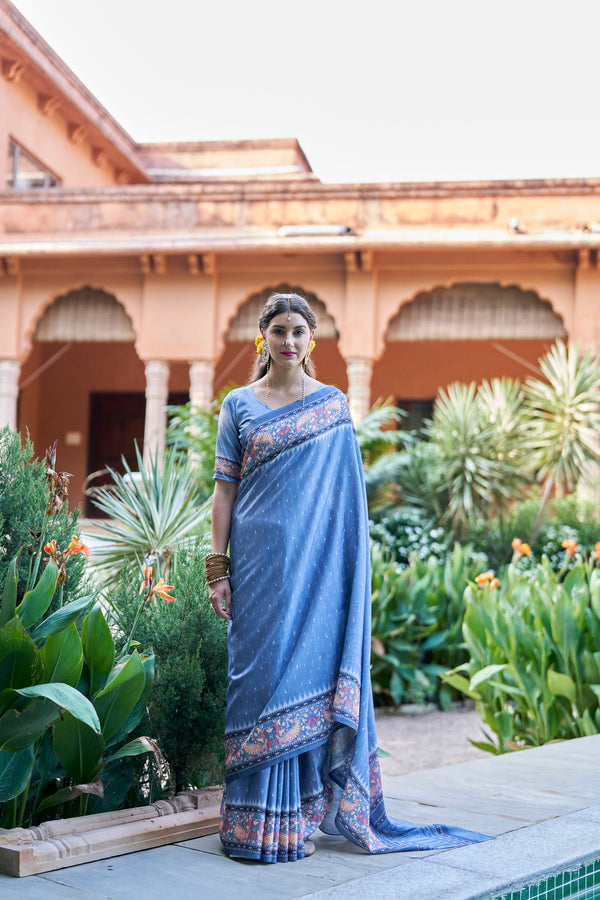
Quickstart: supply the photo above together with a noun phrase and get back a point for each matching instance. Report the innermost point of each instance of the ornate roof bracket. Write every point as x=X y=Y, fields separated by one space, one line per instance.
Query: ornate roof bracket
x=12 y=69
x=47 y=104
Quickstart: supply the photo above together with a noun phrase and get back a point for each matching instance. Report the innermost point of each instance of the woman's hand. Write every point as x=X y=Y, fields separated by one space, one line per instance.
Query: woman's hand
x=219 y=595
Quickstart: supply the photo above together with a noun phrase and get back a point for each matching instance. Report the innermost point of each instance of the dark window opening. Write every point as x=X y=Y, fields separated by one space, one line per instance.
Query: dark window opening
x=417 y=413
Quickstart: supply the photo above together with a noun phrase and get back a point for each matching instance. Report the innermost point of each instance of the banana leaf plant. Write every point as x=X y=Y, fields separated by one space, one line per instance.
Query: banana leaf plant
x=66 y=704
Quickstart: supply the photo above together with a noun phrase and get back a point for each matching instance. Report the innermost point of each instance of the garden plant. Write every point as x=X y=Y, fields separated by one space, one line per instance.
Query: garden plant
x=533 y=641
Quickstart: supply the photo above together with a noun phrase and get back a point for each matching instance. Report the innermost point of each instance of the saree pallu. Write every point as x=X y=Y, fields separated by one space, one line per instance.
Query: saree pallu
x=300 y=740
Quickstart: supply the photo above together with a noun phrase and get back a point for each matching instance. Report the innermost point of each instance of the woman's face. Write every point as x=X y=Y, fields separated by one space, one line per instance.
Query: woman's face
x=288 y=337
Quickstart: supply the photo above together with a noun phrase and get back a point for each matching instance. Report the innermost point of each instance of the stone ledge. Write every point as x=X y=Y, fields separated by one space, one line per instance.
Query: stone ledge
x=70 y=842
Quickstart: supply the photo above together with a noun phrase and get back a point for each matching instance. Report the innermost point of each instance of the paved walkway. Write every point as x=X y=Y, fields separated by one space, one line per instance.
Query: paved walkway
x=542 y=805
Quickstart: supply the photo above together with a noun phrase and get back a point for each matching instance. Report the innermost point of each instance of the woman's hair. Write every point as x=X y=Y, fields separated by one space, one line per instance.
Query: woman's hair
x=283 y=303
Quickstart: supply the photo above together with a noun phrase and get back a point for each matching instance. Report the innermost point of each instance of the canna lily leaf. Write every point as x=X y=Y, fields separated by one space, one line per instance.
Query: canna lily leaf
x=62 y=618
x=562 y=685
x=9 y=594
x=62 y=655
x=36 y=602
x=20 y=729
x=485 y=673
x=15 y=770
x=65 y=697
x=78 y=748
x=98 y=648
x=70 y=793
x=117 y=700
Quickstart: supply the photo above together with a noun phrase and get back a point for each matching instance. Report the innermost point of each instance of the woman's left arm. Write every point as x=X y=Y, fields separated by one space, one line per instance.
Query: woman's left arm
x=222 y=505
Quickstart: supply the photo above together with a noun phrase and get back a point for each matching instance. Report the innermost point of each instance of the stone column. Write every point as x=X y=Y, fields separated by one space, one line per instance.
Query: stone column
x=9 y=392
x=157 y=396
x=359 y=370
x=202 y=374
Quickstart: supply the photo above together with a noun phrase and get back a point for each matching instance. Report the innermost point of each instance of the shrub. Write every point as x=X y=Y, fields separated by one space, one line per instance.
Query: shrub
x=66 y=707
x=534 y=665
x=187 y=709
x=407 y=533
x=25 y=523
x=417 y=615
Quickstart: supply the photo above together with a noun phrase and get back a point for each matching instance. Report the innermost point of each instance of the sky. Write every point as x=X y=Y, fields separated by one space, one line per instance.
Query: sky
x=375 y=91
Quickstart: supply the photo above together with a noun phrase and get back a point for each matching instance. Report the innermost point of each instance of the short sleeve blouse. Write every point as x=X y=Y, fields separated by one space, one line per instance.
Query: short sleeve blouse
x=228 y=454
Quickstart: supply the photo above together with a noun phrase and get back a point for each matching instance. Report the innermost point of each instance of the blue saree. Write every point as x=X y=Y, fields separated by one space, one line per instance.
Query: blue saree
x=300 y=741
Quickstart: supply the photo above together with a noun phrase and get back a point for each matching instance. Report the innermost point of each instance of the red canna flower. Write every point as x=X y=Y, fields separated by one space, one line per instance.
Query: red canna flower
x=570 y=546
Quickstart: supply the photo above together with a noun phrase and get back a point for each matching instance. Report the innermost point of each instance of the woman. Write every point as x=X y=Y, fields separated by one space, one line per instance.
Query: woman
x=300 y=742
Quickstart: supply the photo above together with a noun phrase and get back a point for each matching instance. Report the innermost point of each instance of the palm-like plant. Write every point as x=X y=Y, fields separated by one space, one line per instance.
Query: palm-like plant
x=151 y=513
x=563 y=419
x=378 y=439
x=477 y=433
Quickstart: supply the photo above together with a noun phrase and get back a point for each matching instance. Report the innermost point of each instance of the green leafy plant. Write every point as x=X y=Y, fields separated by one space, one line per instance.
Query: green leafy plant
x=562 y=420
x=417 y=614
x=378 y=439
x=192 y=432
x=478 y=435
x=152 y=513
x=65 y=703
x=533 y=640
x=187 y=707
x=33 y=510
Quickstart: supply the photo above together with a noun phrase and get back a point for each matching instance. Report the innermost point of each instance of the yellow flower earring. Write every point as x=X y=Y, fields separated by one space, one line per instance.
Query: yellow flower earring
x=311 y=347
x=262 y=348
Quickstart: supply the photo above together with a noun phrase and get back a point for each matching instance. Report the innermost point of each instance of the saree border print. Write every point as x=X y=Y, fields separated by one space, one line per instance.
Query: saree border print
x=293 y=730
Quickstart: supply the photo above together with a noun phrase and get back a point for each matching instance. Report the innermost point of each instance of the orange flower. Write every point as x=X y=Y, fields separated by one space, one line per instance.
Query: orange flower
x=596 y=553
x=148 y=579
x=163 y=589
x=495 y=583
x=51 y=549
x=570 y=546
x=520 y=548
x=77 y=546
x=484 y=578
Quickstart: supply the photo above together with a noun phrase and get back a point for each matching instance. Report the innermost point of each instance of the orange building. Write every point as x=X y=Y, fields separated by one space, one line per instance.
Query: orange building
x=132 y=274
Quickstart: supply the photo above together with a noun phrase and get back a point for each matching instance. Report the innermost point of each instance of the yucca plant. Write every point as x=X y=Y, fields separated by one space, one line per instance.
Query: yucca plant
x=151 y=513
x=562 y=419
x=478 y=436
x=378 y=439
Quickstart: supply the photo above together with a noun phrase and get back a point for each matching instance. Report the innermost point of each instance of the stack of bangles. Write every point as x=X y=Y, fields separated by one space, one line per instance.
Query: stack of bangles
x=217 y=567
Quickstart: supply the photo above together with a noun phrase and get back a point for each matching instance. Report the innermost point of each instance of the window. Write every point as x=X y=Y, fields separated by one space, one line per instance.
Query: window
x=417 y=414
x=25 y=172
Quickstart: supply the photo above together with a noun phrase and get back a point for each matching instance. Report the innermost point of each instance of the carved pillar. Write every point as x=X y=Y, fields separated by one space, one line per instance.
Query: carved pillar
x=157 y=396
x=359 y=370
x=202 y=374
x=9 y=392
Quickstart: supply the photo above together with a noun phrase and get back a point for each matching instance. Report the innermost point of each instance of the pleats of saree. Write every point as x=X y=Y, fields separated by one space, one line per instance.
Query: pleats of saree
x=267 y=814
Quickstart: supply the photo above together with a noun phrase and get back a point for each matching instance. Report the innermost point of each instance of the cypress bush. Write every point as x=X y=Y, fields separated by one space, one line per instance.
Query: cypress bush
x=24 y=518
x=187 y=706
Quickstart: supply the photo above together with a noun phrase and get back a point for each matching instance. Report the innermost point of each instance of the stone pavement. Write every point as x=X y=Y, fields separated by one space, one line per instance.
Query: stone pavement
x=541 y=805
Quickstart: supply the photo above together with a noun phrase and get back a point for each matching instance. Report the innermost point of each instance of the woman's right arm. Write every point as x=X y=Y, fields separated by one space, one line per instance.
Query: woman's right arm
x=222 y=505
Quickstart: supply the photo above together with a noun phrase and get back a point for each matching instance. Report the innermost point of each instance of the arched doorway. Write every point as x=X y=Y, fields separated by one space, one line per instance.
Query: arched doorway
x=84 y=384
x=236 y=361
x=463 y=332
